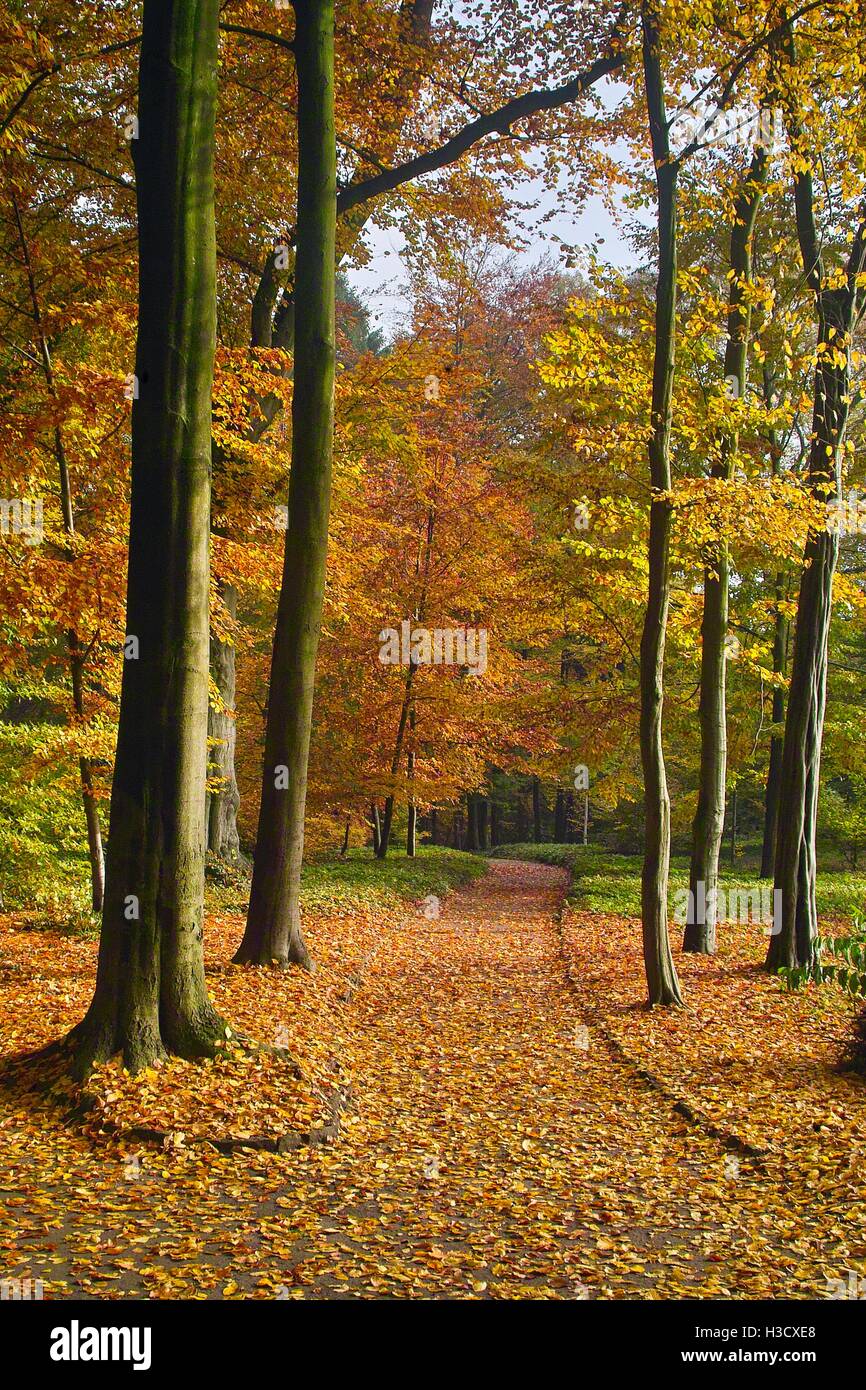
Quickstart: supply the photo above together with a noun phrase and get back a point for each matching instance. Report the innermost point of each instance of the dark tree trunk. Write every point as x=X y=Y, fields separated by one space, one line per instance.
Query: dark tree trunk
x=345 y=846
x=150 y=992
x=412 y=809
x=273 y=931
x=472 y=842
x=709 y=820
x=662 y=983
x=495 y=824
x=560 y=819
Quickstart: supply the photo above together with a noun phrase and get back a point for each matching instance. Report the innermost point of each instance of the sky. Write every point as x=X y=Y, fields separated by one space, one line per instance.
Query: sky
x=383 y=282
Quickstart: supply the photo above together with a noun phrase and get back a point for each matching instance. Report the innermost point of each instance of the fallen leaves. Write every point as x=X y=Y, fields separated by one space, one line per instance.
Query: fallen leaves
x=496 y=1145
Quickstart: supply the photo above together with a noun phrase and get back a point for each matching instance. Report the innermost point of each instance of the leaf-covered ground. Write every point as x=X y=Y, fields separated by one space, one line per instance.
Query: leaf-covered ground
x=495 y=1136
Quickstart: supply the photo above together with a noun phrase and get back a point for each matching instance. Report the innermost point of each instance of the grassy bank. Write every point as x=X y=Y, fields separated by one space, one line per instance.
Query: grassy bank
x=605 y=882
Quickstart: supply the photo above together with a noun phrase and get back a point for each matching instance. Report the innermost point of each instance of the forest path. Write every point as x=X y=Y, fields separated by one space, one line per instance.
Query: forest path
x=495 y=1147
x=511 y=1152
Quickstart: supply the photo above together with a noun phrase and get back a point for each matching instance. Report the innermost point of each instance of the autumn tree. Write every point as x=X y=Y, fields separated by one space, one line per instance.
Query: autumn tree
x=835 y=275
x=150 y=994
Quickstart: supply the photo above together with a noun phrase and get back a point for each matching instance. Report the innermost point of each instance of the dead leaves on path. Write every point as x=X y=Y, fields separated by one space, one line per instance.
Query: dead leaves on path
x=495 y=1146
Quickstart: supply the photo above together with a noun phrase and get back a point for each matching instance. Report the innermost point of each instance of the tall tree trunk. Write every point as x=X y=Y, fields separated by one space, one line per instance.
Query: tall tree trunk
x=377 y=826
x=222 y=830
x=560 y=818
x=781 y=638
x=472 y=822
x=88 y=793
x=273 y=931
x=150 y=992
x=405 y=709
x=412 y=809
x=662 y=983
x=838 y=307
x=709 y=821
x=774 y=766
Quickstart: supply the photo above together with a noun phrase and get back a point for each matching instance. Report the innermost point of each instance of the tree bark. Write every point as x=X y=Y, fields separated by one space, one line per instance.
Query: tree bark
x=560 y=818
x=412 y=809
x=273 y=931
x=150 y=992
x=781 y=638
x=662 y=983
x=709 y=821
x=472 y=822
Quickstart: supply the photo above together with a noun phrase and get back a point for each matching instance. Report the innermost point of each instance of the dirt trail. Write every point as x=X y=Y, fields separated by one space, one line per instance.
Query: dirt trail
x=496 y=1147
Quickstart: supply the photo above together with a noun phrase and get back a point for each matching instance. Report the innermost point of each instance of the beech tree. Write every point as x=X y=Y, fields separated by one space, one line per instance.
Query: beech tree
x=150 y=994
x=837 y=285
x=710 y=812
x=273 y=931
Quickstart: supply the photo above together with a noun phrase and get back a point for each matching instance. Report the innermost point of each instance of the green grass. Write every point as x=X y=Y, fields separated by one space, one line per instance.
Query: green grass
x=340 y=884
x=604 y=882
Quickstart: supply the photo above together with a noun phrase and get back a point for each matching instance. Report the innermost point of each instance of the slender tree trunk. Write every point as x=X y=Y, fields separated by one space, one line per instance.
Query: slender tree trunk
x=412 y=810
x=495 y=824
x=662 y=983
x=405 y=708
x=150 y=992
x=781 y=638
x=223 y=802
x=774 y=767
x=560 y=819
x=345 y=846
x=838 y=307
x=472 y=822
x=273 y=931
x=377 y=827
x=88 y=793
x=709 y=820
